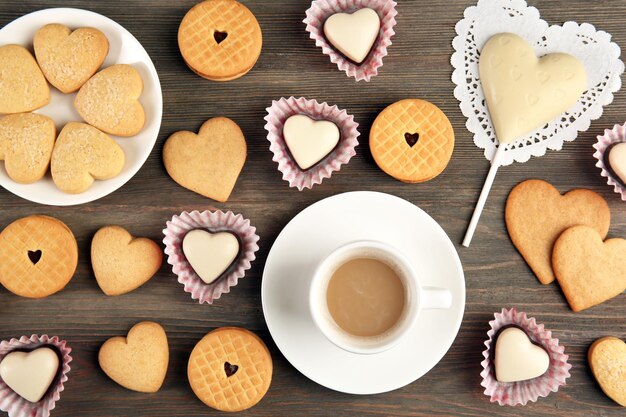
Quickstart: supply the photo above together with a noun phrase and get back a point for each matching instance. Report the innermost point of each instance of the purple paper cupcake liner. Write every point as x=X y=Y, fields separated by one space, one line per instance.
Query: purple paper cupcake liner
x=514 y=393
x=213 y=221
x=615 y=135
x=284 y=108
x=321 y=10
x=10 y=401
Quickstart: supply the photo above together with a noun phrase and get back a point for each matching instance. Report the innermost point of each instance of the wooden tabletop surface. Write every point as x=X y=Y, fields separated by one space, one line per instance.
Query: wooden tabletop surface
x=417 y=66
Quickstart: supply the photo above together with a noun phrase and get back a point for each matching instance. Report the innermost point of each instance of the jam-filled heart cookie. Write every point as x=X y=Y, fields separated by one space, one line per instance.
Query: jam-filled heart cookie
x=122 y=262
x=83 y=154
x=209 y=162
x=230 y=369
x=220 y=40
x=412 y=140
x=110 y=101
x=26 y=142
x=607 y=359
x=139 y=361
x=23 y=87
x=38 y=256
x=69 y=58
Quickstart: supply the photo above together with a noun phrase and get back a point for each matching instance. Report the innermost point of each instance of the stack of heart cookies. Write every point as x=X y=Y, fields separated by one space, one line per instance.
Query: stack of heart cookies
x=562 y=237
x=106 y=100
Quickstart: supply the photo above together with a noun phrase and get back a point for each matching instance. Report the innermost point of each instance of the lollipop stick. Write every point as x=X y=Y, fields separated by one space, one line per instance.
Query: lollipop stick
x=495 y=164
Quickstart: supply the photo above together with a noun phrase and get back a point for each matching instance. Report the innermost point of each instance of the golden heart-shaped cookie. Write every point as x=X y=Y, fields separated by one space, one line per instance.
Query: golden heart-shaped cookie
x=121 y=262
x=536 y=214
x=139 y=361
x=607 y=359
x=83 y=154
x=589 y=271
x=30 y=374
x=209 y=162
x=524 y=92
x=26 y=142
x=68 y=59
x=23 y=87
x=110 y=101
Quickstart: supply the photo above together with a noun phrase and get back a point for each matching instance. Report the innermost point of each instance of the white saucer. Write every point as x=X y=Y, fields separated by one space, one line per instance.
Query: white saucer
x=124 y=48
x=314 y=233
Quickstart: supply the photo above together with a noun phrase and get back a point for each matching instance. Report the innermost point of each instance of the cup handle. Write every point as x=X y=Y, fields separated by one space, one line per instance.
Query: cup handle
x=436 y=298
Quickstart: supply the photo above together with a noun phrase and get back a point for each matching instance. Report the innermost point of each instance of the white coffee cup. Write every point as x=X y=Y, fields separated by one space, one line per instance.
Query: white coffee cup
x=417 y=298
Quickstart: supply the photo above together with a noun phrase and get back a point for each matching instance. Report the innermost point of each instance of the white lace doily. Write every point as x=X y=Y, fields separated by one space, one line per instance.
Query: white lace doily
x=593 y=48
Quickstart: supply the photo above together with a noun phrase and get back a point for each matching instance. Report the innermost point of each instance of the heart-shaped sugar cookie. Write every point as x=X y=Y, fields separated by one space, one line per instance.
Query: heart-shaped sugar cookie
x=26 y=142
x=524 y=92
x=30 y=374
x=68 y=59
x=83 y=154
x=121 y=262
x=209 y=162
x=23 y=87
x=536 y=214
x=110 y=101
x=607 y=359
x=517 y=358
x=353 y=34
x=139 y=361
x=589 y=271
x=309 y=141
x=210 y=254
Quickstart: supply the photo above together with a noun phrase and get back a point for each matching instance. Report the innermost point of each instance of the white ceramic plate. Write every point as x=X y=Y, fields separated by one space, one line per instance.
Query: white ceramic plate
x=314 y=233
x=123 y=49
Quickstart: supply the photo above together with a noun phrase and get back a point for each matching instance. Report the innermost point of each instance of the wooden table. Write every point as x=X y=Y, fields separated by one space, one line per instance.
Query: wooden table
x=418 y=66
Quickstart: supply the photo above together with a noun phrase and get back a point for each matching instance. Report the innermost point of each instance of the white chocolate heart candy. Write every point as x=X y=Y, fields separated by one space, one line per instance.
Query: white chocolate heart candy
x=30 y=374
x=616 y=161
x=517 y=358
x=524 y=92
x=353 y=34
x=308 y=140
x=210 y=254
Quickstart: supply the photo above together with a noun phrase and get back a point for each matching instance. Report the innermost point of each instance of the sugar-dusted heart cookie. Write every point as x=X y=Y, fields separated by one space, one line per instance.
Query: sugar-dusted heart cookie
x=353 y=34
x=26 y=142
x=589 y=271
x=68 y=59
x=210 y=254
x=23 y=87
x=607 y=359
x=536 y=214
x=517 y=358
x=83 y=154
x=30 y=374
x=209 y=162
x=110 y=101
x=121 y=262
x=524 y=92
x=139 y=361
x=309 y=141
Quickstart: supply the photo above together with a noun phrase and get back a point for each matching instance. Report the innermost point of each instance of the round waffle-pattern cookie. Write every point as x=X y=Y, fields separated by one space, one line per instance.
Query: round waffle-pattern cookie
x=230 y=369
x=38 y=256
x=220 y=40
x=412 y=140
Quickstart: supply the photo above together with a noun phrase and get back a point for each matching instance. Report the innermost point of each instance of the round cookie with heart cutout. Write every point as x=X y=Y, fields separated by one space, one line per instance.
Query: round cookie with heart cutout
x=38 y=256
x=230 y=369
x=412 y=140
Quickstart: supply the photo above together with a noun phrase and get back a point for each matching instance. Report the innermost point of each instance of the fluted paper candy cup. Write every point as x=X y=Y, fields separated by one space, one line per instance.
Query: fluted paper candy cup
x=615 y=135
x=214 y=222
x=284 y=108
x=10 y=401
x=321 y=10
x=514 y=393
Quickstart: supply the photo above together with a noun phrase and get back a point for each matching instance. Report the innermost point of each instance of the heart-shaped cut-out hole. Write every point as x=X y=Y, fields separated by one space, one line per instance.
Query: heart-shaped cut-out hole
x=220 y=36
x=411 y=138
x=34 y=256
x=518 y=358
x=230 y=369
